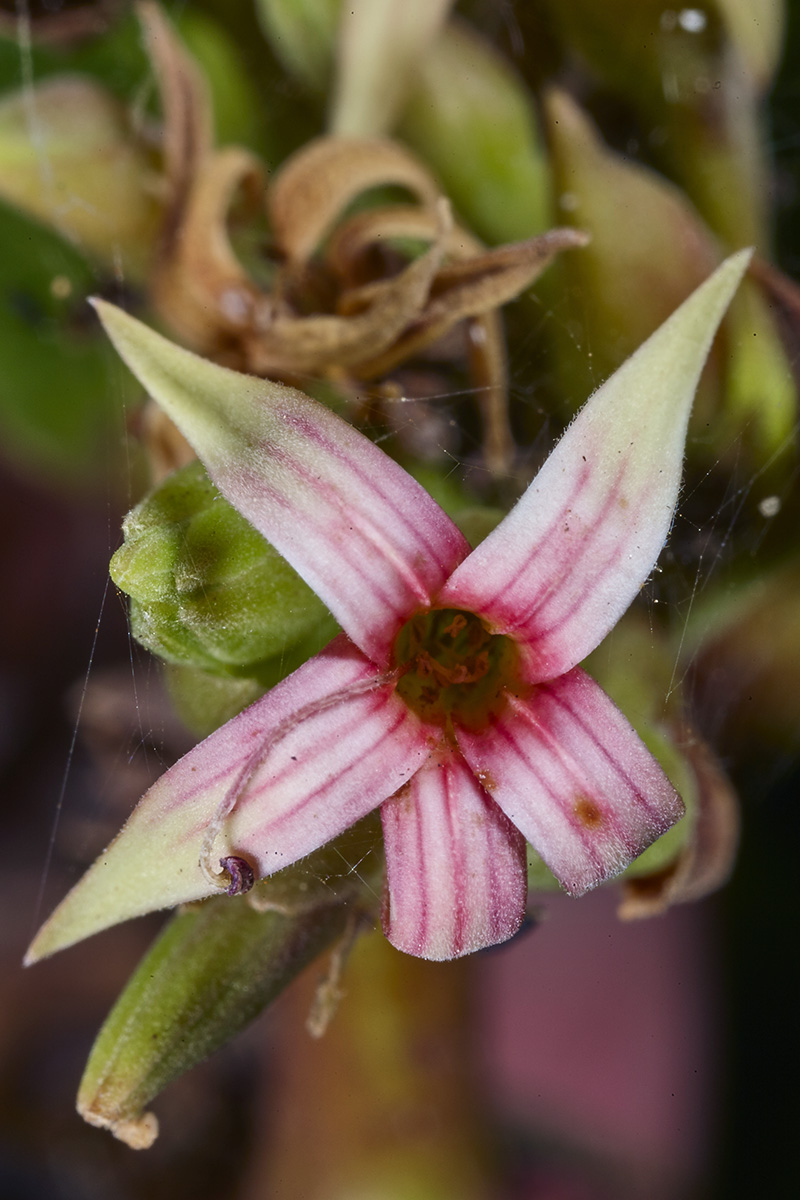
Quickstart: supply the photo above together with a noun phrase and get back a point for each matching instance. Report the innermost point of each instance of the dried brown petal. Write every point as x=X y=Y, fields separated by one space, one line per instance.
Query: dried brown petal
x=474 y=286
x=188 y=123
x=289 y=343
x=200 y=287
x=60 y=29
x=489 y=370
x=493 y=278
x=706 y=858
x=352 y=242
x=315 y=186
x=349 y=248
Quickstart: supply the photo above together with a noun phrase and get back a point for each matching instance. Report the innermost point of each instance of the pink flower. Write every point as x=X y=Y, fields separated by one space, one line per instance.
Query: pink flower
x=453 y=699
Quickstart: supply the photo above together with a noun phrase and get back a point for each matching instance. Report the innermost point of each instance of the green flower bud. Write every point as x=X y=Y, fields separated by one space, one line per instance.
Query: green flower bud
x=212 y=971
x=82 y=173
x=643 y=229
x=694 y=76
x=760 y=404
x=745 y=643
x=472 y=119
x=215 y=967
x=381 y=45
x=206 y=589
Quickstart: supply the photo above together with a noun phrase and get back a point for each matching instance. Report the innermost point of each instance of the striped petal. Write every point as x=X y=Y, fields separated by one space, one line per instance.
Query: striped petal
x=576 y=780
x=455 y=866
x=308 y=760
x=367 y=538
x=563 y=566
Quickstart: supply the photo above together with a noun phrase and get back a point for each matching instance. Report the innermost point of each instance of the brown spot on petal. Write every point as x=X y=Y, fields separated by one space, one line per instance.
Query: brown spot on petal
x=587 y=812
x=486 y=780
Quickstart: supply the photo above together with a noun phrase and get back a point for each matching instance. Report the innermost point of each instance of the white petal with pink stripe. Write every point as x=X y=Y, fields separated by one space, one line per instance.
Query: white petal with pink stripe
x=455 y=865
x=559 y=571
x=297 y=780
x=366 y=536
x=571 y=773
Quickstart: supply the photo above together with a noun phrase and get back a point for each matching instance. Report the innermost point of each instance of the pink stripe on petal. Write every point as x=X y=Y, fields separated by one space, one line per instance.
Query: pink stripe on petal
x=573 y=776
x=563 y=566
x=455 y=866
x=300 y=765
x=324 y=495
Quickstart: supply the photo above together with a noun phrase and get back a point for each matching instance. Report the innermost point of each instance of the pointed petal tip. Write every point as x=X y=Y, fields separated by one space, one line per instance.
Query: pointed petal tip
x=561 y=568
x=732 y=269
x=115 y=321
x=48 y=941
x=566 y=238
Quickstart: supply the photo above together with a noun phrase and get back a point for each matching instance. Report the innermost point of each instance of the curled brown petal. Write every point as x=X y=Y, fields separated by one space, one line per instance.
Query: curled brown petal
x=491 y=279
x=706 y=859
x=188 y=124
x=352 y=242
x=61 y=29
x=314 y=187
x=473 y=286
x=290 y=344
x=200 y=287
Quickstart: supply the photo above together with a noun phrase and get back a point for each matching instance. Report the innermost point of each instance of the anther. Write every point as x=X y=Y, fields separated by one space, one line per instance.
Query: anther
x=241 y=873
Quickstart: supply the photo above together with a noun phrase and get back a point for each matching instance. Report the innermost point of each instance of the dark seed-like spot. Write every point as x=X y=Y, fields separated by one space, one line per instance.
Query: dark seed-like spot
x=241 y=873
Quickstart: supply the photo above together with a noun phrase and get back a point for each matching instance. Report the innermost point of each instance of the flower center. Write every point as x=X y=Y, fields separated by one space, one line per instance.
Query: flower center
x=453 y=670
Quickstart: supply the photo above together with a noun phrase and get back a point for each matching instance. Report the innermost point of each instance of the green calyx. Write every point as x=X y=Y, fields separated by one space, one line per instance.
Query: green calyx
x=454 y=671
x=206 y=589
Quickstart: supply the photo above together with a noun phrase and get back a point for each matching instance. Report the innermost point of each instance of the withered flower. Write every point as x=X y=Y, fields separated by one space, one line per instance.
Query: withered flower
x=353 y=295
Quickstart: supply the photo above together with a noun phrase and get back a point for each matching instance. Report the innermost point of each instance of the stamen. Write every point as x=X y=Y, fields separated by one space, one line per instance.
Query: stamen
x=242 y=876
x=221 y=876
x=453 y=670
